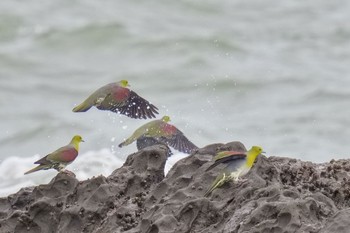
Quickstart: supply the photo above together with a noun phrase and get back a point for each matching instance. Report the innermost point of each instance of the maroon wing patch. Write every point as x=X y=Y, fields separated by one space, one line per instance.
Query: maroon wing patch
x=68 y=155
x=179 y=142
x=134 y=106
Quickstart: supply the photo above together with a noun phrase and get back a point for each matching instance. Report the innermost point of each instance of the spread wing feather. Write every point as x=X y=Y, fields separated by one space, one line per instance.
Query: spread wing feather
x=179 y=142
x=134 y=106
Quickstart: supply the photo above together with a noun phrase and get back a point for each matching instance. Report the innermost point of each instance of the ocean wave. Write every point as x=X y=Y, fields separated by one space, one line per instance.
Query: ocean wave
x=328 y=95
x=87 y=165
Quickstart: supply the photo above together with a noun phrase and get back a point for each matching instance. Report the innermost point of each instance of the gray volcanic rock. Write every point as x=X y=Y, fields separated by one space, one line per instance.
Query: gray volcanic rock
x=100 y=204
x=277 y=195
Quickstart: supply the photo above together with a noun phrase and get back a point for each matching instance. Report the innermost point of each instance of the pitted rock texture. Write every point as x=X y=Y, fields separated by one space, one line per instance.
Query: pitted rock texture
x=100 y=204
x=277 y=195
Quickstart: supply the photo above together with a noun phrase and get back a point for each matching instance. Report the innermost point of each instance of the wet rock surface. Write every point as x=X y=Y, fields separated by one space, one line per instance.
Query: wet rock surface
x=277 y=195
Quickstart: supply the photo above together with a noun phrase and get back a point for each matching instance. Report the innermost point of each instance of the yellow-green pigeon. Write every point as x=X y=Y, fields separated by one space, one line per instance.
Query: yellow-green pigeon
x=116 y=97
x=163 y=132
x=238 y=164
x=60 y=158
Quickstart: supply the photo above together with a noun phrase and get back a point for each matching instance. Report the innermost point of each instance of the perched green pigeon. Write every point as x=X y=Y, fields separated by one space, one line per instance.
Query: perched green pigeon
x=238 y=164
x=60 y=158
x=116 y=97
x=162 y=132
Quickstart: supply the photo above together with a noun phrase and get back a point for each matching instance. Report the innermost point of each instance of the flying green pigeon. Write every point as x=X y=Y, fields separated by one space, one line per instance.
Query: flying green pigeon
x=162 y=132
x=116 y=97
x=60 y=158
x=238 y=164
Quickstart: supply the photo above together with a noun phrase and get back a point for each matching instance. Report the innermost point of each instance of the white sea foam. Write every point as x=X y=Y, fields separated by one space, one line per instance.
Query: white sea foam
x=87 y=165
x=172 y=160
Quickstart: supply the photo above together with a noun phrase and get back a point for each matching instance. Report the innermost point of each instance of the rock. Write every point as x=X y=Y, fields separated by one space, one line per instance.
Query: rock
x=339 y=222
x=277 y=195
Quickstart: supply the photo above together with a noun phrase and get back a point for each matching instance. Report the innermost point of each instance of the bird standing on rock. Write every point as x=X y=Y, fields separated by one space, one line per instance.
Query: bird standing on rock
x=116 y=97
x=60 y=158
x=161 y=132
x=238 y=164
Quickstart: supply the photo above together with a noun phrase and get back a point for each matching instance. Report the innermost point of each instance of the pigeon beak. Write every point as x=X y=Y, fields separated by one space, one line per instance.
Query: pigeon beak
x=263 y=152
x=82 y=140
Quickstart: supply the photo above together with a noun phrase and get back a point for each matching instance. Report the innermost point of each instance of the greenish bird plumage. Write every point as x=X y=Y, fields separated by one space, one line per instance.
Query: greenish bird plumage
x=60 y=158
x=237 y=164
x=118 y=98
x=161 y=132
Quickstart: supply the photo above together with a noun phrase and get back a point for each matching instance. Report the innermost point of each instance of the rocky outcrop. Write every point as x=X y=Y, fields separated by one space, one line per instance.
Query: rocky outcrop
x=277 y=195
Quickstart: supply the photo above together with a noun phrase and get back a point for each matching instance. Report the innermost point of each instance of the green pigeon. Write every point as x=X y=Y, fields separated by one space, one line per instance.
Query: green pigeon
x=116 y=97
x=60 y=158
x=237 y=165
x=162 y=132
